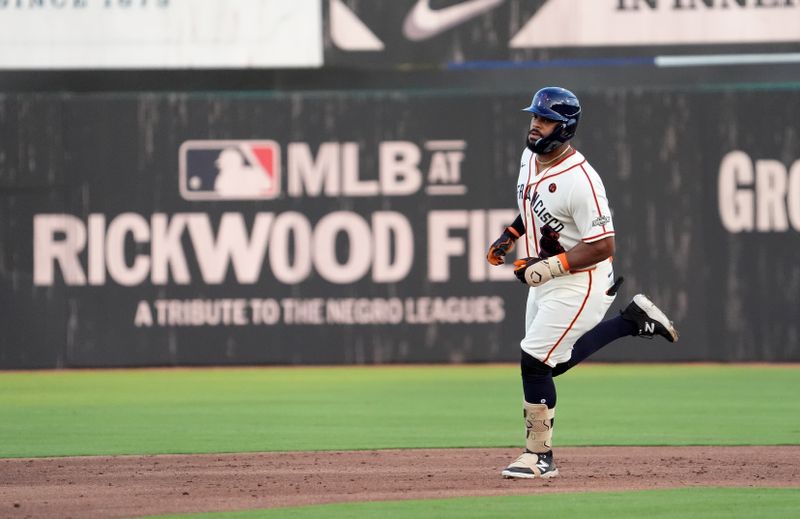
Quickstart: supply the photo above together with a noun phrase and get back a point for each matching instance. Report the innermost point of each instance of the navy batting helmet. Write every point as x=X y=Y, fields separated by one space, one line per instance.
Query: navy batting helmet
x=556 y=104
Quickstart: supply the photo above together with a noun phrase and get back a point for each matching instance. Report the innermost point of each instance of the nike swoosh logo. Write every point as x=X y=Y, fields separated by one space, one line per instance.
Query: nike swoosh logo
x=423 y=22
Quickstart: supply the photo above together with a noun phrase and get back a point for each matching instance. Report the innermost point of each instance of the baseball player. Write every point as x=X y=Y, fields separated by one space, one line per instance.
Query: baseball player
x=568 y=234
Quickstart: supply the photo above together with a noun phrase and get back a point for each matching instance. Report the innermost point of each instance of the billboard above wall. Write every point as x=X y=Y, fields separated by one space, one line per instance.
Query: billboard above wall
x=659 y=22
x=142 y=34
x=435 y=32
x=240 y=34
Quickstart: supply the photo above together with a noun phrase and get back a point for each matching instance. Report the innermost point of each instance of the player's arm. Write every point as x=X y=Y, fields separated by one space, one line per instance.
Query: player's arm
x=505 y=242
x=586 y=254
x=536 y=271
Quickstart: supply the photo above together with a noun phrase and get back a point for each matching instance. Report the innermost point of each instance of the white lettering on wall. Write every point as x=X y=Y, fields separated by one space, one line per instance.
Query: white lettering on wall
x=399 y=167
x=57 y=240
x=760 y=196
x=343 y=247
x=334 y=171
x=458 y=233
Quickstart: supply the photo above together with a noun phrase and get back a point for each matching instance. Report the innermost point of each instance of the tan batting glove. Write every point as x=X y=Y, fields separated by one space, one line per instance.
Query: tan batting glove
x=536 y=271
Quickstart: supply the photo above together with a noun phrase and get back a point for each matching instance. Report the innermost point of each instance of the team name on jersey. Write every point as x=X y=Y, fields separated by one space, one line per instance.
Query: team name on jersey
x=538 y=208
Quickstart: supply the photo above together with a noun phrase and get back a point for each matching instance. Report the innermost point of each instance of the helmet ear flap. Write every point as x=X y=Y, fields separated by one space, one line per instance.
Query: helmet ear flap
x=561 y=131
x=569 y=128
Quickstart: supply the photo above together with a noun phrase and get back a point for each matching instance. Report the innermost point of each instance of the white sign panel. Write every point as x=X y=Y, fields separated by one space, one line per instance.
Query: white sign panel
x=74 y=34
x=580 y=23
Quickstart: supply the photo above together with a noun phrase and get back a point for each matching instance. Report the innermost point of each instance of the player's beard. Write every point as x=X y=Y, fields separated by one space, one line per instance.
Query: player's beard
x=528 y=143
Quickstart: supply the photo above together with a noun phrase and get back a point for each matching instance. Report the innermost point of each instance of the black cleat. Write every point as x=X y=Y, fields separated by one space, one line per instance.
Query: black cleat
x=532 y=465
x=649 y=319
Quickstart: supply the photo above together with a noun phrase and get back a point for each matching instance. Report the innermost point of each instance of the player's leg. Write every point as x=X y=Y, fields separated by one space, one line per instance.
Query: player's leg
x=558 y=314
x=539 y=416
x=604 y=333
x=641 y=318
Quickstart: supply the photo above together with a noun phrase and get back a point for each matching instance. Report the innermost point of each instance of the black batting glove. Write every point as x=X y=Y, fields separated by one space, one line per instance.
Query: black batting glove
x=548 y=243
x=501 y=247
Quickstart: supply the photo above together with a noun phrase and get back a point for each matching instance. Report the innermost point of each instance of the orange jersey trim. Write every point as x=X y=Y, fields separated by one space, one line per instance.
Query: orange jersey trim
x=525 y=213
x=597 y=237
x=549 y=176
x=591 y=186
x=583 y=305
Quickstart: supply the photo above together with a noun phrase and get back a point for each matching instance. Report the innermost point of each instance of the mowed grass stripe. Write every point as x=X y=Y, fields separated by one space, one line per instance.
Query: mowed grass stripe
x=687 y=503
x=64 y=413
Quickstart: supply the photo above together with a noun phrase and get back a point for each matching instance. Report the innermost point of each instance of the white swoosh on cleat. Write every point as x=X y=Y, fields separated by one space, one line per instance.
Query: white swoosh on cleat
x=423 y=22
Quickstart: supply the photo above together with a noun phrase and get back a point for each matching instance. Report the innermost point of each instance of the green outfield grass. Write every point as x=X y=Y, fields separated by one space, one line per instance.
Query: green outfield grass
x=687 y=503
x=61 y=413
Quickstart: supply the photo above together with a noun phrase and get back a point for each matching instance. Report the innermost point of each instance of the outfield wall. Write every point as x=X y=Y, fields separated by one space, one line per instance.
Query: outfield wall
x=357 y=228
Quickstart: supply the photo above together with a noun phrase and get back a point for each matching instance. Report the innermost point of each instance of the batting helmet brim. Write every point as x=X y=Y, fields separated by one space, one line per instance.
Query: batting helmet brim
x=546 y=113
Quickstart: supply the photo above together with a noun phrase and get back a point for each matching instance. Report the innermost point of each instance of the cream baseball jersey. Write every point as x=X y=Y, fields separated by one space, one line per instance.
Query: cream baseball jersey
x=567 y=195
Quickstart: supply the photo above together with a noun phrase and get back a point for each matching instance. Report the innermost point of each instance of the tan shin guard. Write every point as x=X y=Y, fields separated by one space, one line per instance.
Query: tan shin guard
x=538 y=427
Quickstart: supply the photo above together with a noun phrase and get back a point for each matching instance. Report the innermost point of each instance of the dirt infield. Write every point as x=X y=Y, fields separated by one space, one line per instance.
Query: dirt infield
x=129 y=486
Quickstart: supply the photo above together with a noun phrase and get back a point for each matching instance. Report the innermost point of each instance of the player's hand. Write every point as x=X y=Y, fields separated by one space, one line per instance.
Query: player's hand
x=548 y=243
x=537 y=271
x=501 y=247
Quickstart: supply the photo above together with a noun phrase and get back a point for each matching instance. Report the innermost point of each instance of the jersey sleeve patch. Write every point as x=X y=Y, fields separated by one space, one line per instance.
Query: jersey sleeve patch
x=601 y=221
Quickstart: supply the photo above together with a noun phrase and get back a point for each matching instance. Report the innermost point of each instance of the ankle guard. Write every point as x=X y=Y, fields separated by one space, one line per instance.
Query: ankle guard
x=538 y=427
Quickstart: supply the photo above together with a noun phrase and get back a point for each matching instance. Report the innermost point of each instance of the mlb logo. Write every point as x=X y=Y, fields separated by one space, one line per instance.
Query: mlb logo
x=229 y=170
